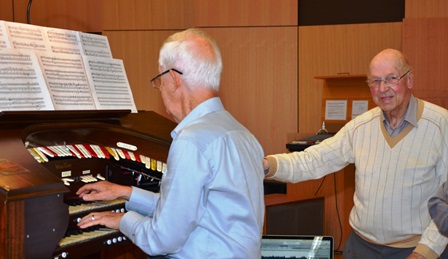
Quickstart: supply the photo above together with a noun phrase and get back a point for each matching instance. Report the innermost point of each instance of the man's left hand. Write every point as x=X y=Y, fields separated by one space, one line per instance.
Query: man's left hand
x=415 y=255
x=108 y=219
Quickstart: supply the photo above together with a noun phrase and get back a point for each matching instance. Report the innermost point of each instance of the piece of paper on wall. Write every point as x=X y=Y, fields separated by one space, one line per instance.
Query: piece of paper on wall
x=359 y=107
x=336 y=110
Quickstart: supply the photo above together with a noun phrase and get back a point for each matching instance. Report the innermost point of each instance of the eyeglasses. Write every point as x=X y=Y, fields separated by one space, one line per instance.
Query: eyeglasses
x=390 y=80
x=156 y=81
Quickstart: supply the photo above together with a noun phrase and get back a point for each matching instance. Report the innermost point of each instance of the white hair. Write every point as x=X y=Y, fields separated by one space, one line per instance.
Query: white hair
x=196 y=55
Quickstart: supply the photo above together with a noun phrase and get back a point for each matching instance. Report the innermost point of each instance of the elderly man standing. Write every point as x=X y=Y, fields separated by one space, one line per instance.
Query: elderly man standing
x=400 y=152
x=211 y=201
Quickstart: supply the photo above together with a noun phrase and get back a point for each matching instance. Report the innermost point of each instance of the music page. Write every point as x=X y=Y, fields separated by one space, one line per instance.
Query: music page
x=67 y=81
x=109 y=82
x=62 y=41
x=94 y=45
x=26 y=36
x=22 y=85
x=4 y=42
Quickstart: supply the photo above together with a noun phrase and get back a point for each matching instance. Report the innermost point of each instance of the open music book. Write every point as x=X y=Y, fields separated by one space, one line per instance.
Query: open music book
x=44 y=68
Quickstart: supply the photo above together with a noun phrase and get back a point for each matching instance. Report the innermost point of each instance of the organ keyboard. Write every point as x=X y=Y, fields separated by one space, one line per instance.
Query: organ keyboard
x=46 y=156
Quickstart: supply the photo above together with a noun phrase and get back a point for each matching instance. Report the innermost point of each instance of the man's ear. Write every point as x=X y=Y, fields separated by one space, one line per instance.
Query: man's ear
x=410 y=81
x=176 y=77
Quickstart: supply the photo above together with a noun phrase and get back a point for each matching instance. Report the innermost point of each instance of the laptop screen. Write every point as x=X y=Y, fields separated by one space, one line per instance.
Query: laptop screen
x=297 y=246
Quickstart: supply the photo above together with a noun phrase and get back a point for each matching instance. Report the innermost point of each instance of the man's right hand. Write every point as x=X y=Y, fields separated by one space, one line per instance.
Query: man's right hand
x=104 y=191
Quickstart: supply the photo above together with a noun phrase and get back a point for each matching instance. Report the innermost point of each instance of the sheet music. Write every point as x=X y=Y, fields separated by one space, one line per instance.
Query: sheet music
x=4 y=42
x=94 y=45
x=22 y=86
x=67 y=81
x=62 y=41
x=26 y=36
x=110 y=85
x=46 y=68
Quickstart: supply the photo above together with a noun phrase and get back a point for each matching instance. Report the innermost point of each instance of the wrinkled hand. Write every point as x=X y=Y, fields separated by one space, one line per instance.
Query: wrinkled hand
x=415 y=255
x=265 y=164
x=107 y=218
x=104 y=191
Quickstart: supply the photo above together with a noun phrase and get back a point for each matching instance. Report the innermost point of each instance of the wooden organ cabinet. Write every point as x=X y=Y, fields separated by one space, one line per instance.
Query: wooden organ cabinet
x=45 y=156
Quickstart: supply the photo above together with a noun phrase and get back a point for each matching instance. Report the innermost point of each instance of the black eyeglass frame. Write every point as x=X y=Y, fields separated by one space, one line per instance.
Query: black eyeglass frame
x=385 y=80
x=161 y=74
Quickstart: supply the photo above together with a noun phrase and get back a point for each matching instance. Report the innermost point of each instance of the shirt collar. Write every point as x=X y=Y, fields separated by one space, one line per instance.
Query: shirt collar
x=411 y=112
x=211 y=105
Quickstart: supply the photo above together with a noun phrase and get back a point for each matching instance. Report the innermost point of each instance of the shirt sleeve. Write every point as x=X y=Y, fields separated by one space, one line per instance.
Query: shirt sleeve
x=433 y=239
x=181 y=190
x=438 y=209
x=331 y=155
x=142 y=201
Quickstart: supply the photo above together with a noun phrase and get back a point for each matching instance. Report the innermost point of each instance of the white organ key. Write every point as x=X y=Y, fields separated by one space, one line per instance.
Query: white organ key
x=73 y=149
x=159 y=166
x=54 y=150
x=86 y=207
x=58 y=151
x=120 y=153
x=131 y=155
x=86 y=236
x=146 y=160
x=88 y=179
x=83 y=150
x=65 y=150
x=45 y=151
x=98 y=151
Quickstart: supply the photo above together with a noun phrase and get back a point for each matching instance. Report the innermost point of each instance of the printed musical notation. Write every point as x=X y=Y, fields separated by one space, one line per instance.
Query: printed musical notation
x=67 y=81
x=109 y=83
x=63 y=41
x=44 y=68
x=26 y=36
x=40 y=38
x=95 y=45
x=4 y=42
x=22 y=86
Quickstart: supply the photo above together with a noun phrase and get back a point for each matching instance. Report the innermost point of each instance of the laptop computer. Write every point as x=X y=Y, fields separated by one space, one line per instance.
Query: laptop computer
x=297 y=246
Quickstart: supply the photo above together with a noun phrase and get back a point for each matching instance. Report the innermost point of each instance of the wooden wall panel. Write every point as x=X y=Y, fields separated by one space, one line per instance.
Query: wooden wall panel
x=6 y=12
x=139 y=51
x=259 y=82
x=162 y=14
x=426 y=8
x=212 y=13
x=79 y=15
x=426 y=46
x=332 y=49
x=258 y=85
x=425 y=40
x=146 y=15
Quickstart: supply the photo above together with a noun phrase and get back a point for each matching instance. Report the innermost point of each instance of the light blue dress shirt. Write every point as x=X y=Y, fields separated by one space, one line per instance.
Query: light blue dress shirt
x=211 y=201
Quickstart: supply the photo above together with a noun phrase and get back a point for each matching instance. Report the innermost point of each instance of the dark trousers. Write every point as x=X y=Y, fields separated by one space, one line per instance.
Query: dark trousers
x=356 y=247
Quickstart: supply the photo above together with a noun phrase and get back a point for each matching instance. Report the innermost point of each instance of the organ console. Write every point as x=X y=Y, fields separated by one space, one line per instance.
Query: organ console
x=45 y=156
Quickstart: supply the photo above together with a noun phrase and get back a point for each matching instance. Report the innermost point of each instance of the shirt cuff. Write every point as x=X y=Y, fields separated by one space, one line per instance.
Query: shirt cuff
x=272 y=166
x=127 y=224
